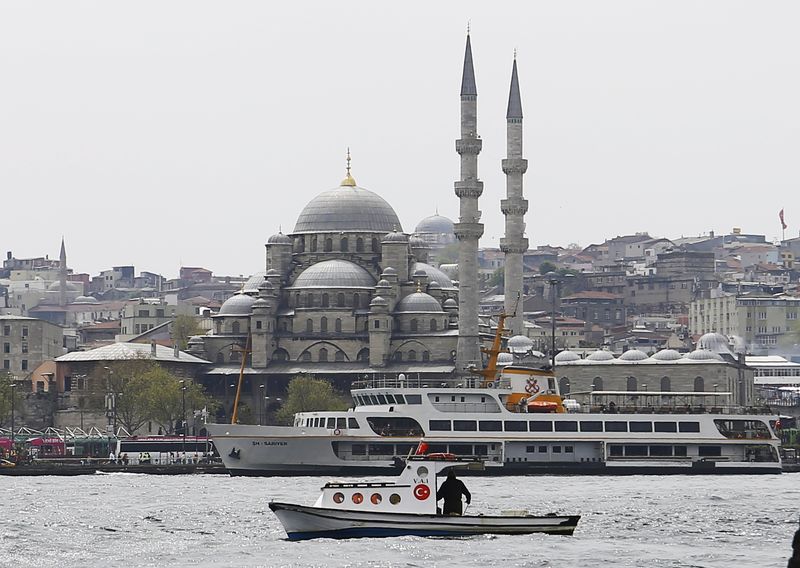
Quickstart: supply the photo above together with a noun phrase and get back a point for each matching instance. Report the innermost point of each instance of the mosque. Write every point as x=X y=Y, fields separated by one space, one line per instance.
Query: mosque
x=348 y=293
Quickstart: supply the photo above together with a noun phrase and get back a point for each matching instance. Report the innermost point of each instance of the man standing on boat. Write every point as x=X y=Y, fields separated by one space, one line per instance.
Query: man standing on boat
x=451 y=491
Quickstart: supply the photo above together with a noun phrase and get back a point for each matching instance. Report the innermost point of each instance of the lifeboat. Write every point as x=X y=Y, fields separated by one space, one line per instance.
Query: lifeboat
x=542 y=406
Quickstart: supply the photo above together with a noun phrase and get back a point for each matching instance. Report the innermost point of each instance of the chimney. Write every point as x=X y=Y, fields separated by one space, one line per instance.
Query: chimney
x=153 y=347
x=177 y=351
x=711 y=234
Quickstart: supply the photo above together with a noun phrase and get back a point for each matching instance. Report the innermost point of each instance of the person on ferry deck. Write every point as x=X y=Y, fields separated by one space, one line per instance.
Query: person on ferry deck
x=451 y=491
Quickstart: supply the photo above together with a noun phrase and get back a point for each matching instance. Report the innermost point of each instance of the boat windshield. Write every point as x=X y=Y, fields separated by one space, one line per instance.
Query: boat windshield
x=395 y=426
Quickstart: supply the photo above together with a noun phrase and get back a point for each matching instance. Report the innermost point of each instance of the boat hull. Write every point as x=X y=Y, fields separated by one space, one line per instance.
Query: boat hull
x=303 y=522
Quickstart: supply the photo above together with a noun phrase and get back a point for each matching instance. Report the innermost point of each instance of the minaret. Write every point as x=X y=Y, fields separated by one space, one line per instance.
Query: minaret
x=468 y=229
x=62 y=275
x=514 y=207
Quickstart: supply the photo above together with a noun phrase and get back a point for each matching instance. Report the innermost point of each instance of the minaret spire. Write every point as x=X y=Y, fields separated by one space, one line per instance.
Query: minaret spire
x=469 y=229
x=348 y=179
x=62 y=274
x=514 y=207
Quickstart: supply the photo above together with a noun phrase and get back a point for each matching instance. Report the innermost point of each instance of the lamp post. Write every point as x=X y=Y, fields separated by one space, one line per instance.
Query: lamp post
x=261 y=405
x=554 y=279
x=715 y=395
x=12 y=387
x=183 y=419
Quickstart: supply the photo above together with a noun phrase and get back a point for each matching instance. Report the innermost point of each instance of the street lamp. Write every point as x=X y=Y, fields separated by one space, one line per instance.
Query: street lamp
x=183 y=419
x=13 y=386
x=261 y=405
x=554 y=279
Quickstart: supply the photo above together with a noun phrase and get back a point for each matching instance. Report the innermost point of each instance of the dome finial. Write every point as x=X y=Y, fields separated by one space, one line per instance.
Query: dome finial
x=348 y=180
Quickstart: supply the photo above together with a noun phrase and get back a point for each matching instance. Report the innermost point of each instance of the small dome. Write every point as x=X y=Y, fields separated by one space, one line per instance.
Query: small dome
x=378 y=301
x=420 y=273
x=334 y=274
x=600 y=356
x=437 y=224
x=633 y=355
x=238 y=305
x=434 y=274
x=389 y=271
x=519 y=344
x=279 y=239
x=417 y=243
x=504 y=359
x=254 y=282
x=434 y=286
x=383 y=284
x=715 y=342
x=85 y=300
x=69 y=287
x=266 y=285
x=418 y=302
x=702 y=355
x=260 y=303
x=395 y=237
x=272 y=272
x=450 y=303
x=666 y=355
x=347 y=208
x=567 y=357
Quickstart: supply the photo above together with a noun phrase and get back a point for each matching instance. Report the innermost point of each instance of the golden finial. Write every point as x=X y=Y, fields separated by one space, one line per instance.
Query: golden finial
x=468 y=25
x=348 y=180
x=419 y=286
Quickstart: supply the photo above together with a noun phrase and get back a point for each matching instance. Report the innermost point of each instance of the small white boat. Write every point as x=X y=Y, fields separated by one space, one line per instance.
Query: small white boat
x=408 y=507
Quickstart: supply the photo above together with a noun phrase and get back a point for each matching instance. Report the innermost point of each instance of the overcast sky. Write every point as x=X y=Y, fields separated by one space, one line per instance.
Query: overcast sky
x=167 y=133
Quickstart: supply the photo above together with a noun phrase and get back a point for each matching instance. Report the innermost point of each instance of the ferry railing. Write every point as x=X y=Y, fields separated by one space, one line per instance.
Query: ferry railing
x=412 y=382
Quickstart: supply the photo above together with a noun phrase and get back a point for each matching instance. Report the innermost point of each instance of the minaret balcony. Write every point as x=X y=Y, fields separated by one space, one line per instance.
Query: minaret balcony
x=469 y=188
x=469 y=146
x=519 y=246
x=468 y=231
x=515 y=166
x=516 y=207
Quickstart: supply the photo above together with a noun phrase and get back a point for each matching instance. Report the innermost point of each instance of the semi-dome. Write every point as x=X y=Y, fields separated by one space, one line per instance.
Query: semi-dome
x=567 y=357
x=347 y=208
x=238 y=305
x=379 y=301
x=389 y=271
x=715 y=342
x=450 y=303
x=435 y=224
x=702 y=355
x=600 y=356
x=434 y=274
x=334 y=274
x=69 y=287
x=383 y=283
x=666 y=355
x=395 y=237
x=519 y=344
x=633 y=355
x=254 y=282
x=504 y=359
x=417 y=243
x=85 y=300
x=418 y=302
x=273 y=272
x=279 y=239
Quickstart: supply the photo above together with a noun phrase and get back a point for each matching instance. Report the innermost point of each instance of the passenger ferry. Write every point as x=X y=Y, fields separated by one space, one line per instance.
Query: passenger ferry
x=517 y=423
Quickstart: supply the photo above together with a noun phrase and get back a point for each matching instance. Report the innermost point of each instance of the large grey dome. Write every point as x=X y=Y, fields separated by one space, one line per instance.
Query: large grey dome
x=435 y=224
x=238 y=305
x=434 y=274
x=418 y=302
x=347 y=208
x=715 y=342
x=334 y=274
x=254 y=282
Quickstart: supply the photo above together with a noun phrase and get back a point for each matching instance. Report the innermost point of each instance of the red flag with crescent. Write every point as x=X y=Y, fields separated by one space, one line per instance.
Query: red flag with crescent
x=783 y=223
x=422 y=448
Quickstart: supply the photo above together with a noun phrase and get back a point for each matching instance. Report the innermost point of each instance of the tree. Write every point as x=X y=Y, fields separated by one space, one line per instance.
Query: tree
x=163 y=397
x=6 y=392
x=183 y=328
x=307 y=394
x=546 y=267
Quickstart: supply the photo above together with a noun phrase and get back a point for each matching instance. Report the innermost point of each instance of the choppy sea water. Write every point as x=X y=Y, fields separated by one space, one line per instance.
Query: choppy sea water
x=213 y=520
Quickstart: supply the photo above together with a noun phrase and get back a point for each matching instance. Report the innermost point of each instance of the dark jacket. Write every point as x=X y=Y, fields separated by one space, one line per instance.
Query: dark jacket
x=451 y=491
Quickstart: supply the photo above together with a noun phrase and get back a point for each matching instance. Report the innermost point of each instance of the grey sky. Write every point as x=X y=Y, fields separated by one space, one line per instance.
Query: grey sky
x=160 y=133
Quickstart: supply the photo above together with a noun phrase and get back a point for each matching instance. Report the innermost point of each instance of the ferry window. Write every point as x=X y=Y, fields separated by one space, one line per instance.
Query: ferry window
x=399 y=426
x=591 y=426
x=399 y=398
x=639 y=451
x=405 y=449
x=530 y=449
x=452 y=398
x=666 y=427
x=661 y=451
x=569 y=449
x=516 y=426
x=331 y=423
x=556 y=449
x=359 y=449
x=481 y=450
x=709 y=451
x=616 y=426
x=394 y=498
x=436 y=398
x=439 y=425
x=390 y=399
x=375 y=498
x=641 y=426
x=352 y=423
x=464 y=425
x=461 y=449
x=381 y=449
x=413 y=399
x=373 y=399
x=542 y=449
x=381 y=399
x=689 y=426
x=615 y=451
x=490 y=426
x=566 y=426
x=680 y=451
x=341 y=423
x=541 y=425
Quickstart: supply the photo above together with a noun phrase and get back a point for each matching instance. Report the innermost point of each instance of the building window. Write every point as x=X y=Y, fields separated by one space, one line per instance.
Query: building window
x=24 y=364
x=597 y=384
x=359 y=244
x=699 y=384
x=235 y=327
x=325 y=300
x=313 y=244
x=297 y=302
x=24 y=346
x=338 y=325
x=434 y=325
x=306 y=357
x=323 y=324
x=412 y=355
x=632 y=384
x=258 y=324
x=323 y=354
x=6 y=330
x=6 y=364
x=309 y=300
x=356 y=301
x=398 y=356
x=310 y=326
x=6 y=348
x=24 y=331
x=340 y=300
x=340 y=356
x=343 y=245
x=426 y=356
x=328 y=245
x=377 y=324
x=413 y=325
x=666 y=384
x=375 y=245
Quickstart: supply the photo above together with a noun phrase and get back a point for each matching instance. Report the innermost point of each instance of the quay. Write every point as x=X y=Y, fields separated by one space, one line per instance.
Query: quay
x=70 y=469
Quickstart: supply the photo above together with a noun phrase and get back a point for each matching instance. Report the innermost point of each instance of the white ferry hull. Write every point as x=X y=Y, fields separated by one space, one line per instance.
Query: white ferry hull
x=302 y=522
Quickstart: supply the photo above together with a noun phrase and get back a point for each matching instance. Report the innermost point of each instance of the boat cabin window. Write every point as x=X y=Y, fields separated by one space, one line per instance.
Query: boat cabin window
x=556 y=449
x=390 y=399
x=465 y=425
x=490 y=426
x=481 y=450
x=666 y=427
x=591 y=426
x=352 y=423
x=742 y=428
x=661 y=451
x=615 y=451
x=680 y=451
x=381 y=399
x=616 y=426
x=461 y=449
x=439 y=425
x=706 y=451
x=566 y=426
x=373 y=399
x=541 y=425
x=689 y=426
x=331 y=423
x=638 y=451
x=341 y=423
x=413 y=399
x=381 y=449
x=641 y=426
x=358 y=449
x=569 y=449
x=398 y=426
x=516 y=426
x=400 y=399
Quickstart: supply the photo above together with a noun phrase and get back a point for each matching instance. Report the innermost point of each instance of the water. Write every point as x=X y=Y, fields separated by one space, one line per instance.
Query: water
x=212 y=520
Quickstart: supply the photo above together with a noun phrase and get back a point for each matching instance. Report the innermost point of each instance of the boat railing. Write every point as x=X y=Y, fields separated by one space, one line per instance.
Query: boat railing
x=394 y=382
x=653 y=409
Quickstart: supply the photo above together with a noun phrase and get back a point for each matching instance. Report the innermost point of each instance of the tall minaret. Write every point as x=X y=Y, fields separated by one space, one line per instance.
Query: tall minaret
x=514 y=207
x=62 y=275
x=468 y=229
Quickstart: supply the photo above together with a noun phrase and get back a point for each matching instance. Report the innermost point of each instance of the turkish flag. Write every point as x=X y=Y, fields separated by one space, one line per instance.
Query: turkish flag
x=783 y=223
x=422 y=449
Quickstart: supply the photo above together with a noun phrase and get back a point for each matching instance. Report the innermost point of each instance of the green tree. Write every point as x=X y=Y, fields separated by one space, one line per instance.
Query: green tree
x=546 y=267
x=163 y=397
x=183 y=328
x=307 y=394
x=6 y=392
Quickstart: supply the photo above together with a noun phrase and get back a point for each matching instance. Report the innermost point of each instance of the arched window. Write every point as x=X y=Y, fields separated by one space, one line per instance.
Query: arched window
x=375 y=246
x=280 y=355
x=356 y=300
x=666 y=384
x=326 y=301
x=220 y=358
x=563 y=385
x=300 y=244
x=363 y=355
x=699 y=384
x=313 y=244
x=235 y=327
x=632 y=384
x=366 y=325
x=310 y=326
x=412 y=355
x=340 y=300
x=328 y=245
x=323 y=324
x=434 y=325
x=413 y=325
x=340 y=356
x=398 y=356
x=343 y=244
x=359 y=244
x=285 y=325
x=297 y=301
x=306 y=357
x=309 y=300
x=597 y=384
x=338 y=325
x=323 y=354
x=426 y=356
